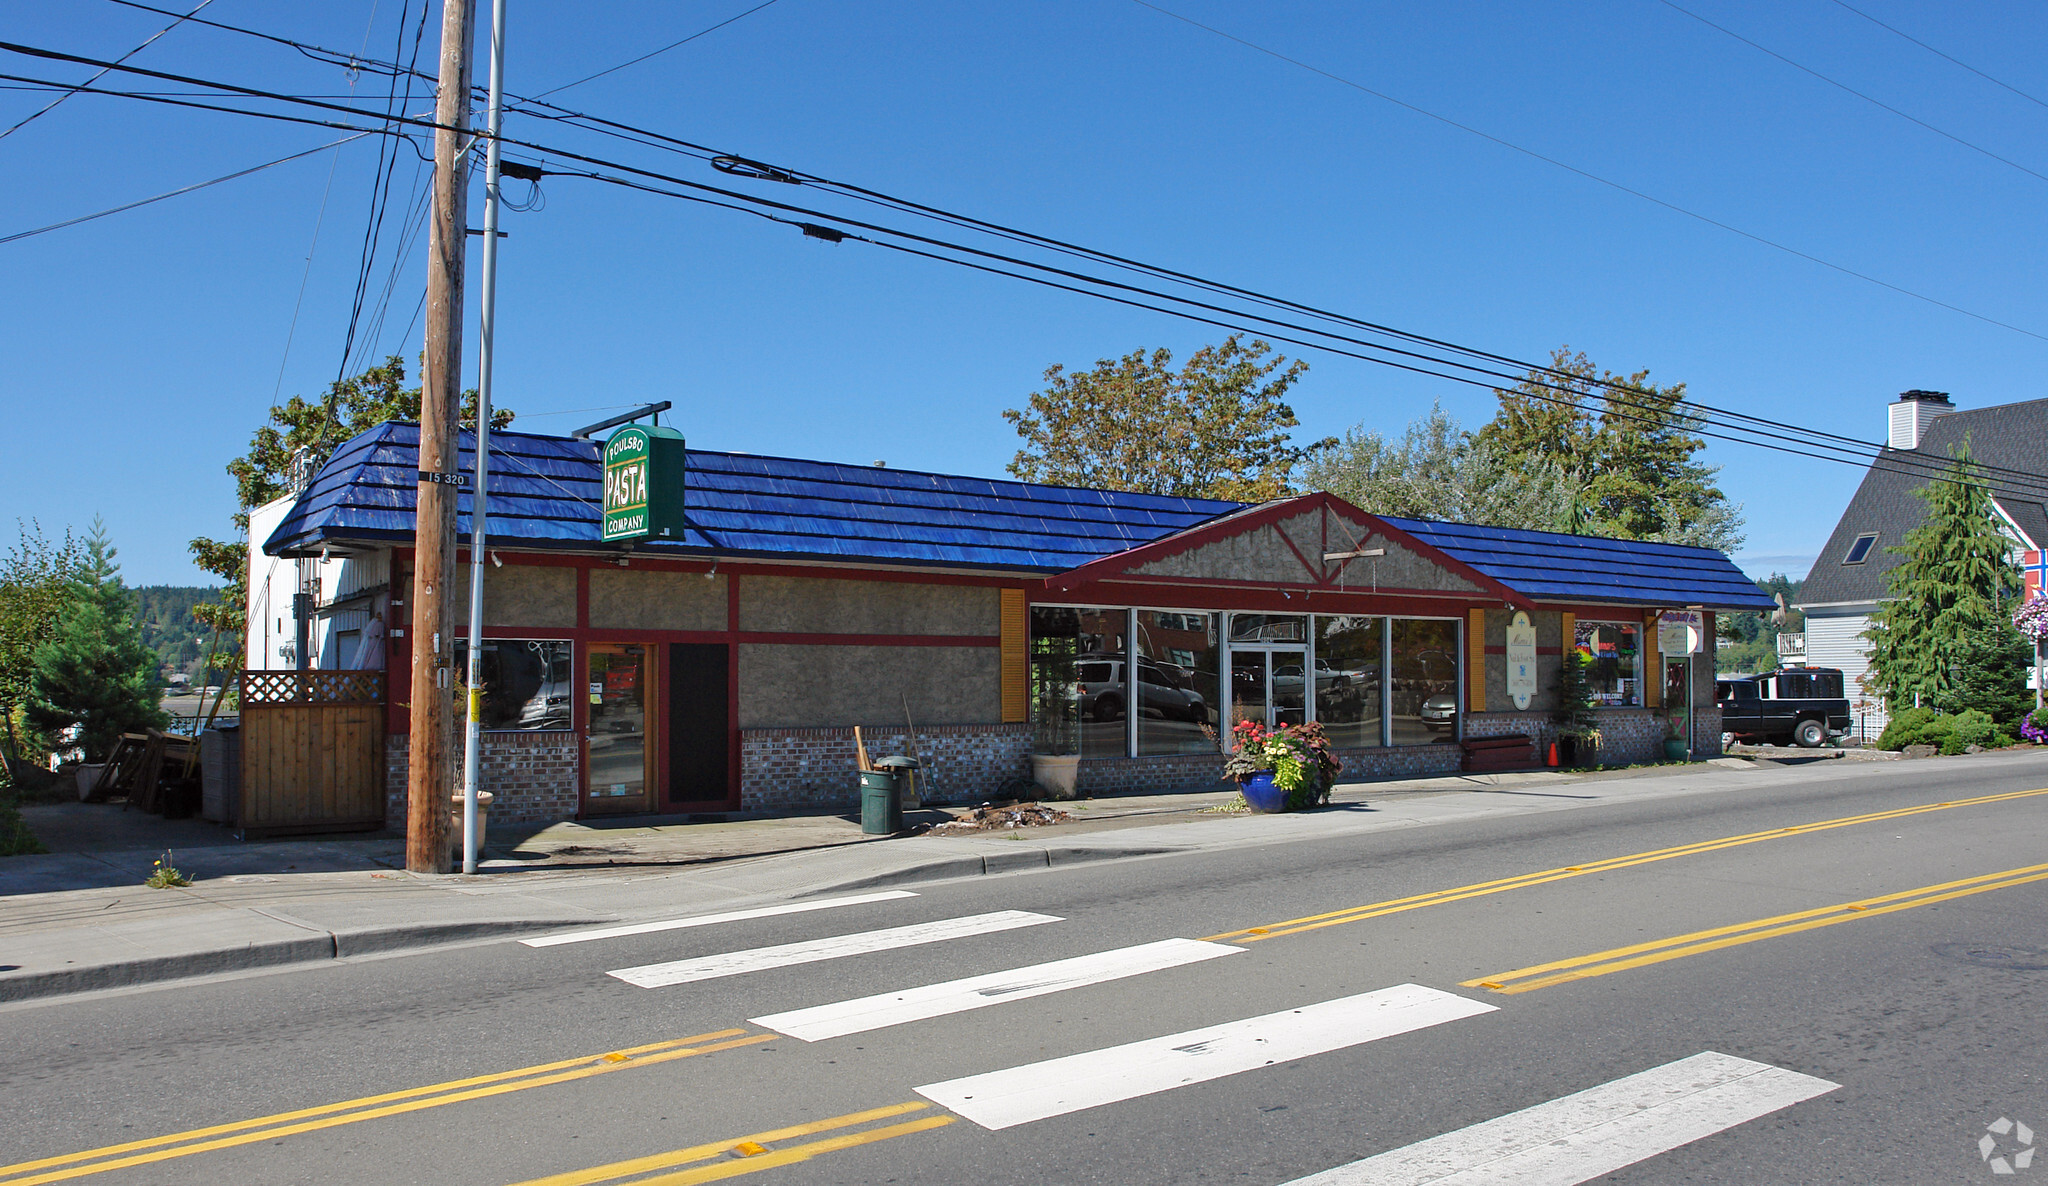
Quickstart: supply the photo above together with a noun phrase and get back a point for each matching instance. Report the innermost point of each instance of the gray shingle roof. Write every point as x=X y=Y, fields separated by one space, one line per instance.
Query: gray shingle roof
x=2008 y=436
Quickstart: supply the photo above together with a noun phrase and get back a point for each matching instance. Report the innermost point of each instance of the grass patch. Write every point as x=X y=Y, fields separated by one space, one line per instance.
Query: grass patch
x=15 y=838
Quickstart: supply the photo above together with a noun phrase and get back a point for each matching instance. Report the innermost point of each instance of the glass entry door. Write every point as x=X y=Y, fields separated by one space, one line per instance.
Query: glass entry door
x=1268 y=685
x=618 y=748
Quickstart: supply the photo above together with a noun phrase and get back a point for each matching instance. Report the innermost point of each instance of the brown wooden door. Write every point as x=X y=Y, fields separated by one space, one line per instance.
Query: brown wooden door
x=618 y=735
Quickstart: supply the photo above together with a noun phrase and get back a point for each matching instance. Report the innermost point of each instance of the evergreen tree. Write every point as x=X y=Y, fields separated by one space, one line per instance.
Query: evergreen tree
x=95 y=672
x=1991 y=673
x=1947 y=614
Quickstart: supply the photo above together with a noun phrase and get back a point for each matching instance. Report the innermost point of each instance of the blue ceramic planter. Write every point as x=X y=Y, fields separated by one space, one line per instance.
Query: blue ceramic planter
x=1261 y=795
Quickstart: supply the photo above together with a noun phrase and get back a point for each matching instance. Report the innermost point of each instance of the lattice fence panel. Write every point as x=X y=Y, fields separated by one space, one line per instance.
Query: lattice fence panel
x=262 y=689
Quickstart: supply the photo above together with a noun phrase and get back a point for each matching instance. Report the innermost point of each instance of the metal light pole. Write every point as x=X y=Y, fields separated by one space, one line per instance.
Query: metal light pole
x=478 y=520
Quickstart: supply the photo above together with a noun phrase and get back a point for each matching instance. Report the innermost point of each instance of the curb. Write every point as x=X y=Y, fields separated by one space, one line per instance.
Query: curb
x=314 y=948
x=984 y=864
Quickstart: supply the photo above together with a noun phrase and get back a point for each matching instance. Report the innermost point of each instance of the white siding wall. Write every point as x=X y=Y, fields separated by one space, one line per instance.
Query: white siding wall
x=1837 y=641
x=271 y=583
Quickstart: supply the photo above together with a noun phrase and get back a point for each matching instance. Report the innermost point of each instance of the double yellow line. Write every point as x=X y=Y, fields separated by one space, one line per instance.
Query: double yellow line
x=1296 y=926
x=372 y=1107
x=1639 y=955
x=751 y=1153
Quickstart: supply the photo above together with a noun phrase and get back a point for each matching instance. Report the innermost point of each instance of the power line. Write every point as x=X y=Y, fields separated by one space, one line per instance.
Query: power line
x=1689 y=410
x=1945 y=57
x=70 y=91
x=1846 y=88
x=655 y=139
x=380 y=185
x=186 y=189
x=1591 y=176
x=656 y=53
x=1857 y=453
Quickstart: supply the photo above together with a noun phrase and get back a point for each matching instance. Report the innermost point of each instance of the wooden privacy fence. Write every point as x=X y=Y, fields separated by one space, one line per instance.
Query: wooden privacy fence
x=312 y=752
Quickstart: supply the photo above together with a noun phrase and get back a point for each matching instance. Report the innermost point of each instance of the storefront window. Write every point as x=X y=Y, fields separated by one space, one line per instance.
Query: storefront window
x=1177 y=683
x=1348 y=679
x=1424 y=687
x=525 y=681
x=1079 y=691
x=1615 y=674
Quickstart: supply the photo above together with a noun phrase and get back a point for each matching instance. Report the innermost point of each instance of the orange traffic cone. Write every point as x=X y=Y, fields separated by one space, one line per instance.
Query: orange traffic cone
x=1552 y=759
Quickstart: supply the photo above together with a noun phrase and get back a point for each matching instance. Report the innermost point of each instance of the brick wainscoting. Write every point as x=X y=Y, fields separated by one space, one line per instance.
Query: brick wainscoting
x=532 y=776
x=798 y=769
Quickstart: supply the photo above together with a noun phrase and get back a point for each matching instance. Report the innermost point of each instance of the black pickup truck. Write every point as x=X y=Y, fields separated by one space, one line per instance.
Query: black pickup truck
x=1803 y=705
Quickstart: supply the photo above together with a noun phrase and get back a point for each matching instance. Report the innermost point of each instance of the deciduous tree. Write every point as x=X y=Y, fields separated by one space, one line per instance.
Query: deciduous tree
x=35 y=586
x=1437 y=470
x=1628 y=452
x=1215 y=428
x=299 y=437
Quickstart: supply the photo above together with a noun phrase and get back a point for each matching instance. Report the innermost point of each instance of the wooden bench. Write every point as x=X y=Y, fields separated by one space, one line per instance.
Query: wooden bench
x=1516 y=751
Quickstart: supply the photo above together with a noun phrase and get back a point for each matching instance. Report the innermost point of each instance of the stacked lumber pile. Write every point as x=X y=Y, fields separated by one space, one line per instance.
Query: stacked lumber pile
x=1516 y=751
x=140 y=765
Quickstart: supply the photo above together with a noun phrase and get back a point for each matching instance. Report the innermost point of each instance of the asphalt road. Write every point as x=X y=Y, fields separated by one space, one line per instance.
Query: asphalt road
x=1889 y=1035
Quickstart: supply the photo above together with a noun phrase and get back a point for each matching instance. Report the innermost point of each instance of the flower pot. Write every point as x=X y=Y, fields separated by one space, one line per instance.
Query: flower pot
x=1260 y=794
x=1058 y=775
x=1674 y=749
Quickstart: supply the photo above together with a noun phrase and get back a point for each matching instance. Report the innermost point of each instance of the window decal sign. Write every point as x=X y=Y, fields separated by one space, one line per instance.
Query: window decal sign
x=1680 y=631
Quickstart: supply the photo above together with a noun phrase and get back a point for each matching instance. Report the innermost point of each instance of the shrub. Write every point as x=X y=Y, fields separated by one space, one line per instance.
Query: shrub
x=1905 y=728
x=2035 y=726
x=1970 y=727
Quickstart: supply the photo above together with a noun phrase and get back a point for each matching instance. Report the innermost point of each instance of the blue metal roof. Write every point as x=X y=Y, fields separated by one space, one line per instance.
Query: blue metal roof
x=1548 y=566
x=545 y=491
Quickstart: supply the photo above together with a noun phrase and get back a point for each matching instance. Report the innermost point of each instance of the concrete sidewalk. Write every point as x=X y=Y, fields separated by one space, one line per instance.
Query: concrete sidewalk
x=78 y=921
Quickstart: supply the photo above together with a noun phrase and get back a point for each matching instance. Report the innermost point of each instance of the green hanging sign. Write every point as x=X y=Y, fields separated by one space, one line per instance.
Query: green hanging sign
x=643 y=484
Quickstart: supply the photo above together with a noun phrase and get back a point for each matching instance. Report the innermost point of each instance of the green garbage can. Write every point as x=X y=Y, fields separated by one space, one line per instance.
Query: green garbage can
x=881 y=810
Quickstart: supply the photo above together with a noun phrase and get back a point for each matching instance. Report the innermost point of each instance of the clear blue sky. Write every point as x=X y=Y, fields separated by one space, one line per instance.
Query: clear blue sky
x=142 y=349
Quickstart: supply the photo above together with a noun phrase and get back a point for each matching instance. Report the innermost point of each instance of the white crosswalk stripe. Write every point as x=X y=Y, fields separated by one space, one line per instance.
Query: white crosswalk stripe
x=997 y=988
x=735 y=963
x=705 y=920
x=1020 y=1095
x=1581 y=1136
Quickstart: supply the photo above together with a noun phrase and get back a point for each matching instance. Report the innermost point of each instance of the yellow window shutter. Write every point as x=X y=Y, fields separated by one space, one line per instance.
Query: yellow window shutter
x=1653 y=663
x=1015 y=623
x=1475 y=662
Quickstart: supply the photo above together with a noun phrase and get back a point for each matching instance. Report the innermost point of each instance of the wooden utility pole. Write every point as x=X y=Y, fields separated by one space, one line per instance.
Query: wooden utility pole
x=430 y=754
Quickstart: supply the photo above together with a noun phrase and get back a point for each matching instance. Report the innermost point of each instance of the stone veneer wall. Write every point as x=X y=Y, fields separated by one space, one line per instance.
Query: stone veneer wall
x=795 y=769
x=533 y=777
x=1627 y=735
x=1174 y=772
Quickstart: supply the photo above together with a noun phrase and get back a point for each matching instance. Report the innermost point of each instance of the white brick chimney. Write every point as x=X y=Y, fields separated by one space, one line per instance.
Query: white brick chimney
x=1911 y=415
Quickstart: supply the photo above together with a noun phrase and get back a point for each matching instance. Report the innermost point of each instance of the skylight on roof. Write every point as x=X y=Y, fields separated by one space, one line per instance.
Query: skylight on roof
x=1860 y=550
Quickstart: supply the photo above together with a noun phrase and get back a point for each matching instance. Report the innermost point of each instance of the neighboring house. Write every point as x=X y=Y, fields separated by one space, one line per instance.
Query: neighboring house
x=1848 y=578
